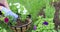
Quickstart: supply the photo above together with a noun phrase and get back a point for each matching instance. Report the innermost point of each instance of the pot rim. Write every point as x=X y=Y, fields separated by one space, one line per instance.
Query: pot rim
x=29 y=22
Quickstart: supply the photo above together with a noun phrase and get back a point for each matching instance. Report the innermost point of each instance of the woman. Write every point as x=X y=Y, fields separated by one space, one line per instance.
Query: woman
x=5 y=8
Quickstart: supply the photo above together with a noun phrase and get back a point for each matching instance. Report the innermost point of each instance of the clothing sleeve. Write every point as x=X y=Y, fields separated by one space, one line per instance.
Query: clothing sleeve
x=8 y=12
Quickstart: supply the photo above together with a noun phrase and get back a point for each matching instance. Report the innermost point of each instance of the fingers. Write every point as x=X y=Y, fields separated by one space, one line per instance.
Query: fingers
x=0 y=8
x=6 y=4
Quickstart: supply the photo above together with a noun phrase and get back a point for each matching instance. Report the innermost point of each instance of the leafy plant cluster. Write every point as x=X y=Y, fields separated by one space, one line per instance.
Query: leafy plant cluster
x=41 y=27
x=11 y=21
x=4 y=27
x=20 y=10
x=44 y=31
x=49 y=13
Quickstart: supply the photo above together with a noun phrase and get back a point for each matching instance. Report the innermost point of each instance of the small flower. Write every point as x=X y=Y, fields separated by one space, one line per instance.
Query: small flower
x=19 y=10
x=6 y=20
x=17 y=4
x=24 y=11
x=34 y=27
x=45 y=23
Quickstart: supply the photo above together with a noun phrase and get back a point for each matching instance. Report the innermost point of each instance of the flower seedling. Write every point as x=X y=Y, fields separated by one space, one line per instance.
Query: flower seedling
x=45 y=23
x=6 y=20
x=34 y=27
x=11 y=21
x=20 y=10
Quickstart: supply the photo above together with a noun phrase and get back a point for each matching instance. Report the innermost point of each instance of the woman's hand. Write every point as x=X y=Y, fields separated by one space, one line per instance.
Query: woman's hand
x=0 y=8
x=5 y=3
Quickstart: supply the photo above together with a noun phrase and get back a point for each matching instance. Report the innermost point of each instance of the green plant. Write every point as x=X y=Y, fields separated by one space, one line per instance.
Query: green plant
x=20 y=10
x=4 y=27
x=7 y=20
x=14 y=9
x=49 y=11
x=43 y=27
x=11 y=20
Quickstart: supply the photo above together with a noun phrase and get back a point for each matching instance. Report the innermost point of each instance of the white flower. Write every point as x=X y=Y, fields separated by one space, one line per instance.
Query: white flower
x=17 y=4
x=24 y=11
x=10 y=4
x=19 y=10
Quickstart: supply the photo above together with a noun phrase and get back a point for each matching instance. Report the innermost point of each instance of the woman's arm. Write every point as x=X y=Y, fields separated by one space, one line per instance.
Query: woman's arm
x=4 y=2
x=8 y=12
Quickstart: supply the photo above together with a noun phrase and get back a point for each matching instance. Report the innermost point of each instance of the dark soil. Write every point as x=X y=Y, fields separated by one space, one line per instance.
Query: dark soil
x=20 y=23
x=56 y=19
